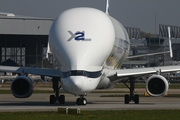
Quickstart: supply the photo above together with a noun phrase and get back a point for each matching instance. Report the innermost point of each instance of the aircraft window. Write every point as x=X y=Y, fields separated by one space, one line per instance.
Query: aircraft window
x=81 y=73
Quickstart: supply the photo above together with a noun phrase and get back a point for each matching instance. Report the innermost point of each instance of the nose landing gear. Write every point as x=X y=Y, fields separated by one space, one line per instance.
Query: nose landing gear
x=81 y=101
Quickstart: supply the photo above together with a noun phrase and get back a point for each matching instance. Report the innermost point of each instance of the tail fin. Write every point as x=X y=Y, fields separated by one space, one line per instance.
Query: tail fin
x=107 y=7
x=170 y=45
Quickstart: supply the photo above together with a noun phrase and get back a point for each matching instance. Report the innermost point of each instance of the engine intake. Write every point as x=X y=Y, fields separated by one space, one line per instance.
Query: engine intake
x=157 y=85
x=22 y=87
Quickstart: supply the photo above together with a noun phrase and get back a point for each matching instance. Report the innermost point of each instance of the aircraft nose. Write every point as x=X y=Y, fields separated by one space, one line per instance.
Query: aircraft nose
x=76 y=82
x=73 y=84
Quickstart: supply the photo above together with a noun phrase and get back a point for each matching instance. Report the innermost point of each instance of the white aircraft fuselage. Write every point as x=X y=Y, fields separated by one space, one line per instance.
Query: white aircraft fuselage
x=86 y=41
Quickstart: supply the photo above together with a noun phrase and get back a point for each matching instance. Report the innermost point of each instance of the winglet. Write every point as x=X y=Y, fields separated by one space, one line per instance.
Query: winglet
x=107 y=7
x=170 y=45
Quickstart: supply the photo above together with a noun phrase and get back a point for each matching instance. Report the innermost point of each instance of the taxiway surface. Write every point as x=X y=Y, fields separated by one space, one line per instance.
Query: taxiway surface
x=40 y=102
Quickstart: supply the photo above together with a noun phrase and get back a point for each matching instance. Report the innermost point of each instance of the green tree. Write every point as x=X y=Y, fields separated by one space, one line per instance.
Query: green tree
x=145 y=35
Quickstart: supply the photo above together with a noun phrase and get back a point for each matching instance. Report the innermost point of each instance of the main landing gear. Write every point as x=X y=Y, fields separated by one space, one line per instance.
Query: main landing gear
x=56 y=97
x=81 y=101
x=131 y=96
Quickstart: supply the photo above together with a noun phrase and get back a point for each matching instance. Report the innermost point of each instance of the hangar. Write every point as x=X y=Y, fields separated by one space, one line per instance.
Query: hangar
x=23 y=40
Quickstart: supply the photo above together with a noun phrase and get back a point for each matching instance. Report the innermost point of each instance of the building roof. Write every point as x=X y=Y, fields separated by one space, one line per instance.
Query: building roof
x=17 y=24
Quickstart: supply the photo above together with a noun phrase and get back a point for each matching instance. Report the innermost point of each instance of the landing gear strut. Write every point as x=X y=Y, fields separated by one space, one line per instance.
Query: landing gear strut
x=56 y=97
x=131 y=96
x=81 y=101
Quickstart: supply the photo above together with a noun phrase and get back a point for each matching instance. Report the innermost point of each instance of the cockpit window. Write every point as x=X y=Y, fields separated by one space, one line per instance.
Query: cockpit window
x=76 y=73
x=92 y=74
x=81 y=73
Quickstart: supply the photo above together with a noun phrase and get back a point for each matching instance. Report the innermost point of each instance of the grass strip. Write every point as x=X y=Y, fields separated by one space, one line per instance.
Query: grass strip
x=95 y=115
x=51 y=91
x=35 y=91
x=111 y=95
x=143 y=85
x=119 y=85
x=140 y=95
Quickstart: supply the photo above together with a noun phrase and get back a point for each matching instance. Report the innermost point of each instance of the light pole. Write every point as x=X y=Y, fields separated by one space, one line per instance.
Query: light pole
x=155 y=21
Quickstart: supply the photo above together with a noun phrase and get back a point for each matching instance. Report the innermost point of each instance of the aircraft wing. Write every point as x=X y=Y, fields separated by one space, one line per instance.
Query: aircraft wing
x=117 y=74
x=28 y=70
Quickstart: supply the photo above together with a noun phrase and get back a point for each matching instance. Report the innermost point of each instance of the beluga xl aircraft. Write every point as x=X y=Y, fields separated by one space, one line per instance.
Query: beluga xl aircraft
x=90 y=48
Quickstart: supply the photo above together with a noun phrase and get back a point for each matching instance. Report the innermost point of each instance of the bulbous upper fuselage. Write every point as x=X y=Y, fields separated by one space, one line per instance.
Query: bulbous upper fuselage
x=84 y=41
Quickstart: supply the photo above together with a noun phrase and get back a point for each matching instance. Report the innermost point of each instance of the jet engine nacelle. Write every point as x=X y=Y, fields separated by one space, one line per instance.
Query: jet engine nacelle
x=22 y=87
x=157 y=85
x=104 y=84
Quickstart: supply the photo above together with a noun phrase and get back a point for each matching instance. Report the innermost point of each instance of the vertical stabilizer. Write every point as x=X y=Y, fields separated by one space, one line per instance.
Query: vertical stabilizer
x=107 y=7
x=170 y=45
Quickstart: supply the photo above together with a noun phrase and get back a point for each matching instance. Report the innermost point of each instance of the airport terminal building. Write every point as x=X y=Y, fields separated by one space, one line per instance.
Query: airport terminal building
x=23 y=42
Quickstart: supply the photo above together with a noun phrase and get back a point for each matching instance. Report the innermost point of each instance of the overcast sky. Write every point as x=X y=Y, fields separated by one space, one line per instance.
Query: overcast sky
x=131 y=13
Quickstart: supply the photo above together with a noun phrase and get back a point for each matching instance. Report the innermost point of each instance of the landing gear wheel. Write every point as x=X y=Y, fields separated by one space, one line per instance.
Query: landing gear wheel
x=83 y=101
x=131 y=96
x=52 y=99
x=136 y=99
x=62 y=99
x=78 y=101
x=126 y=99
x=56 y=97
